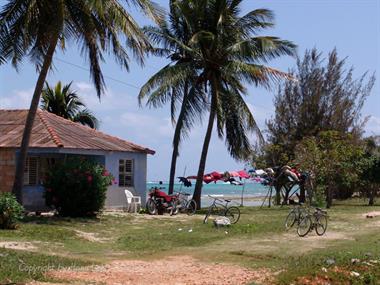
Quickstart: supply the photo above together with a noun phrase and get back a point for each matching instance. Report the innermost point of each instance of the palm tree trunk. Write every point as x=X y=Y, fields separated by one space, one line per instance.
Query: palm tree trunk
x=21 y=160
x=206 y=143
x=176 y=139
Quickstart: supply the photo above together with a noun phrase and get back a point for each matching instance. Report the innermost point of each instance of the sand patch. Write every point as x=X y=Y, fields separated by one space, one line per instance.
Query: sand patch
x=93 y=237
x=373 y=214
x=183 y=270
x=18 y=245
x=329 y=235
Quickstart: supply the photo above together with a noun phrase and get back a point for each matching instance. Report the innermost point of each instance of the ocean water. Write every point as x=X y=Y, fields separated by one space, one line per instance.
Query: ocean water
x=222 y=190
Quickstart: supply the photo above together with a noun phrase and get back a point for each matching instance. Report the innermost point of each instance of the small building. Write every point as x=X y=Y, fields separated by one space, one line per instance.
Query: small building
x=53 y=138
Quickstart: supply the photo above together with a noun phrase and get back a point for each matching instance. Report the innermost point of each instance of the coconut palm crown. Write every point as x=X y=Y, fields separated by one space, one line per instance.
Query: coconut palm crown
x=64 y=102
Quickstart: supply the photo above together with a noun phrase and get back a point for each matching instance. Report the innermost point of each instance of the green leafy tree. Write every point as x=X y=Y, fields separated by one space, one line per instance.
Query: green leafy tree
x=324 y=97
x=35 y=29
x=334 y=159
x=64 y=102
x=370 y=168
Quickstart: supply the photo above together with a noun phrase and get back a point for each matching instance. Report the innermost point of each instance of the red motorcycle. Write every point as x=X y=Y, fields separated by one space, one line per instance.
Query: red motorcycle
x=160 y=202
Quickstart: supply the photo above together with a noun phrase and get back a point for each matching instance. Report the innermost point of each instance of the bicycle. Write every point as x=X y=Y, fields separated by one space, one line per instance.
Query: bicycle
x=184 y=204
x=219 y=207
x=295 y=215
x=317 y=220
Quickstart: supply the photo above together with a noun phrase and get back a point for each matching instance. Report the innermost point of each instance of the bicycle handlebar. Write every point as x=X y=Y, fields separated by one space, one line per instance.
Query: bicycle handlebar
x=215 y=198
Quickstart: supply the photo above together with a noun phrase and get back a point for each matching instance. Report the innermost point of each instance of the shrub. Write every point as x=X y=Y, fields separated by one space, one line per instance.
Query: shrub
x=333 y=158
x=10 y=211
x=77 y=187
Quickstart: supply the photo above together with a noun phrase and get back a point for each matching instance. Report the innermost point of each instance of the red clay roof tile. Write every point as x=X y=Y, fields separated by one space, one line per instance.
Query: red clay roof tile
x=51 y=131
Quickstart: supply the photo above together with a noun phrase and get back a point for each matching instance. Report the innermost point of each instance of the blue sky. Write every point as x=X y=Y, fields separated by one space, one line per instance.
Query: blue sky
x=352 y=26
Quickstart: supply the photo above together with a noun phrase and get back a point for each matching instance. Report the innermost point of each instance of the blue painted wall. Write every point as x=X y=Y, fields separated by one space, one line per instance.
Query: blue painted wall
x=33 y=195
x=115 y=194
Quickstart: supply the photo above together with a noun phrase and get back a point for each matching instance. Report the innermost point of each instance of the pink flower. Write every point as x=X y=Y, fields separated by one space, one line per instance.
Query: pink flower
x=89 y=178
x=105 y=173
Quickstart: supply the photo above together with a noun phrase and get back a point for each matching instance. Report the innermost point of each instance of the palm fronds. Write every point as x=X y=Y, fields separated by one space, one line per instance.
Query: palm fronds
x=64 y=102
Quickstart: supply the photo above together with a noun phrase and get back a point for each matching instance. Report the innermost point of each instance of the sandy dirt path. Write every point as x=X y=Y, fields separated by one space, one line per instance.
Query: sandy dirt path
x=183 y=270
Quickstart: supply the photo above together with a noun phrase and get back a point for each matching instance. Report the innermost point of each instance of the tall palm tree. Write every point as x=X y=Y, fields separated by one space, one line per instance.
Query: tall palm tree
x=64 y=102
x=36 y=28
x=230 y=54
x=176 y=82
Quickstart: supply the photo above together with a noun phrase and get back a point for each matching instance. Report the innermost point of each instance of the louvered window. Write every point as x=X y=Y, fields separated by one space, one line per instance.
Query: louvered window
x=125 y=172
x=31 y=171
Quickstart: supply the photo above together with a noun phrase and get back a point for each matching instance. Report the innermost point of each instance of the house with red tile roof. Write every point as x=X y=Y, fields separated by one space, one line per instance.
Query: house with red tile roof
x=53 y=138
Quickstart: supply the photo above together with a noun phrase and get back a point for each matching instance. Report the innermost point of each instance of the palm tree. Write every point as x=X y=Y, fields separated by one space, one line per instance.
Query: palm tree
x=230 y=55
x=221 y=55
x=176 y=81
x=65 y=103
x=37 y=28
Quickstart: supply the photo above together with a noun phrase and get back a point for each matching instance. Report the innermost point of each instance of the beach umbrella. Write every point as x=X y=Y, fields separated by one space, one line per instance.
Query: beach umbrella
x=217 y=175
x=208 y=178
x=192 y=177
x=243 y=174
x=233 y=173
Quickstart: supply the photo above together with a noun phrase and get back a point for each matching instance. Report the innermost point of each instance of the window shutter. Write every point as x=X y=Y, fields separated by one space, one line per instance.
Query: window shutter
x=129 y=166
x=125 y=172
x=33 y=170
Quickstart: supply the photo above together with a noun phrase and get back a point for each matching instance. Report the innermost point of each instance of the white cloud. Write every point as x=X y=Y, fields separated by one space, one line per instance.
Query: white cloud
x=109 y=100
x=83 y=86
x=146 y=126
x=373 y=125
x=18 y=99
x=260 y=113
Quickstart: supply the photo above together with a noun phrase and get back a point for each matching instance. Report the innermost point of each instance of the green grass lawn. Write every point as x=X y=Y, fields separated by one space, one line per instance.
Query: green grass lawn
x=258 y=240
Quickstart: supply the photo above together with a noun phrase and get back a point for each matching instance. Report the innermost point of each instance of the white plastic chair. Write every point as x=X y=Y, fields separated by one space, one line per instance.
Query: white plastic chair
x=133 y=202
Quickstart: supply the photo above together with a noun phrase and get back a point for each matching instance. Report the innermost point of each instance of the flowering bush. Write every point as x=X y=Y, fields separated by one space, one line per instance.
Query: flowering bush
x=10 y=211
x=77 y=187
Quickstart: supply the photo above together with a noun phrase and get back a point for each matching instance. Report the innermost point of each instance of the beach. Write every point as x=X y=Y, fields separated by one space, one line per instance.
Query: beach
x=253 y=192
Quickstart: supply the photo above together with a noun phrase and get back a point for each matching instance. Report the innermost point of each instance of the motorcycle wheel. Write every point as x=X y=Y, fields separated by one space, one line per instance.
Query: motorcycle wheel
x=151 y=207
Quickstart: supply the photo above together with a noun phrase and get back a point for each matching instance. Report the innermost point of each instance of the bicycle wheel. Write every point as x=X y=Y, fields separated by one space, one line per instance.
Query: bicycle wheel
x=321 y=225
x=304 y=226
x=233 y=213
x=151 y=207
x=290 y=220
x=208 y=214
x=191 y=207
x=174 y=210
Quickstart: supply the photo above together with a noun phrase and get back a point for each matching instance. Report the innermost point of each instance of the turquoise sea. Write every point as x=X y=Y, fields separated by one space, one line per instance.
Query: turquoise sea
x=252 y=191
